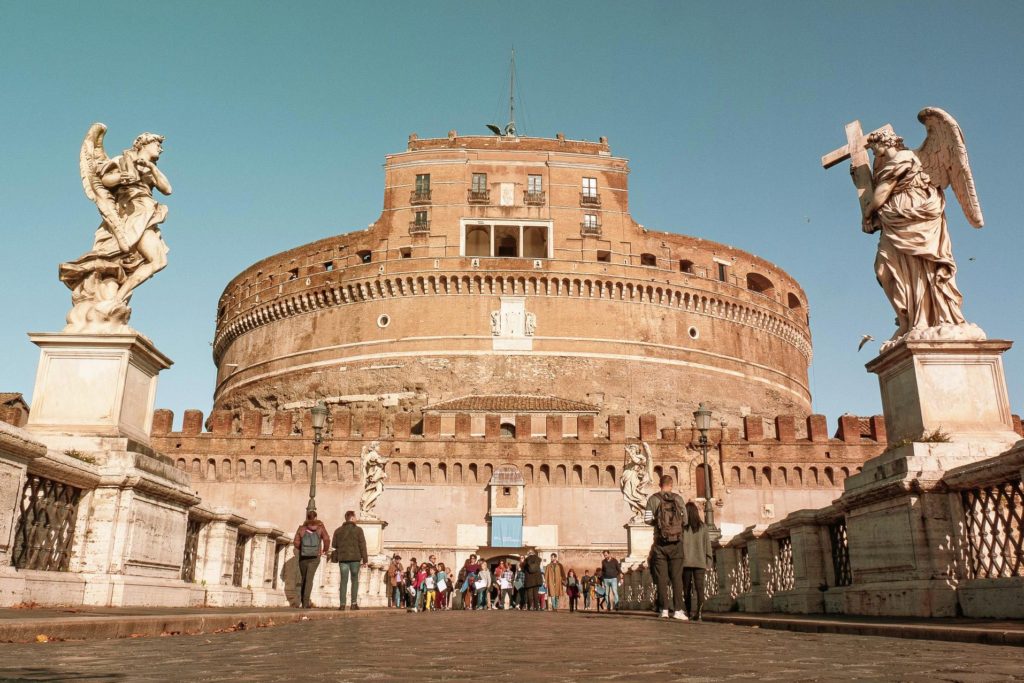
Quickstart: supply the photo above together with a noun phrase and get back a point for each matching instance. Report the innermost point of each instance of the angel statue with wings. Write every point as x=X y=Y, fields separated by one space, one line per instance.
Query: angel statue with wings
x=373 y=464
x=637 y=472
x=906 y=203
x=127 y=249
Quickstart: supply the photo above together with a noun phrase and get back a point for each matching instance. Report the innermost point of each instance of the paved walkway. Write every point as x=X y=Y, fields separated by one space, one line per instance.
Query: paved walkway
x=508 y=646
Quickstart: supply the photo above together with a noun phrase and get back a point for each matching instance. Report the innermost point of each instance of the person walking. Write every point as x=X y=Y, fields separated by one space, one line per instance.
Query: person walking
x=350 y=546
x=534 y=579
x=610 y=580
x=587 y=588
x=698 y=555
x=572 y=589
x=410 y=584
x=666 y=511
x=519 y=583
x=311 y=543
x=554 y=579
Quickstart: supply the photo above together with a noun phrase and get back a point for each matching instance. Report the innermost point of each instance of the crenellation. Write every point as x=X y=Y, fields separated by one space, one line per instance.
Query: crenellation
x=785 y=428
x=163 y=421
x=648 y=427
x=753 y=428
x=849 y=429
x=252 y=423
x=817 y=428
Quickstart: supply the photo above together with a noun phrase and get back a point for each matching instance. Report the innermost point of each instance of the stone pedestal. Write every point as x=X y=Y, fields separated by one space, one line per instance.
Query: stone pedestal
x=957 y=387
x=373 y=529
x=95 y=385
x=639 y=539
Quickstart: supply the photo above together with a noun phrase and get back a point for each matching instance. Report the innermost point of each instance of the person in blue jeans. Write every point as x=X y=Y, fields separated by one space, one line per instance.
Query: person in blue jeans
x=610 y=580
x=350 y=546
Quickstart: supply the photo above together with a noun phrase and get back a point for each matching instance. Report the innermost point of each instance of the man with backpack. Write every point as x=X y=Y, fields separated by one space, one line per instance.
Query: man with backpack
x=350 y=546
x=311 y=543
x=667 y=512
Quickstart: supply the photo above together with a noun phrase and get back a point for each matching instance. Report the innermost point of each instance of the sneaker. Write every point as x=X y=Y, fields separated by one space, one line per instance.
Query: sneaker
x=342 y=608
x=681 y=616
x=355 y=607
x=664 y=614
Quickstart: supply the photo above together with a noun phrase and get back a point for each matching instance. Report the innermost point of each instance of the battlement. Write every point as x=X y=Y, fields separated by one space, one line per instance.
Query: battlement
x=556 y=427
x=510 y=143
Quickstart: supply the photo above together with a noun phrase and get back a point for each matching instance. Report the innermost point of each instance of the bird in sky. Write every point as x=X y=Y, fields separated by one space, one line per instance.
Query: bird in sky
x=864 y=340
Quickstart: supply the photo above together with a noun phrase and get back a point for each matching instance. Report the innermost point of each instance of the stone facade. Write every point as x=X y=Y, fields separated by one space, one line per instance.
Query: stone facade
x=513 y=266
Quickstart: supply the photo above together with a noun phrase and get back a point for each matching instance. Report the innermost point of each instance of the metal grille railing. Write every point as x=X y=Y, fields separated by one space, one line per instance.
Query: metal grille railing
x=840 y=552
x=782 y=575
x=240 y=545
x=711 y=583
x=590 y=228
x=188 y=562
x=45 y=531
x=588 y=199
x=419 y=197
x=740 y=576
x=418 y=227
x=994 y=520
x=479 y=197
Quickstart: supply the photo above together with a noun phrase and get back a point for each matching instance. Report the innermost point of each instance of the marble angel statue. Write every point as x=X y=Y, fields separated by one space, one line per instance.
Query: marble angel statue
x=636 y=474
x=127 y=248
x=373 y=464
x=906 y=203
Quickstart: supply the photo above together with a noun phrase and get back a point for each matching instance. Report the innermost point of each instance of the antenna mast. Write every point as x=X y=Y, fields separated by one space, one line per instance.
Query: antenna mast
x=510 y=129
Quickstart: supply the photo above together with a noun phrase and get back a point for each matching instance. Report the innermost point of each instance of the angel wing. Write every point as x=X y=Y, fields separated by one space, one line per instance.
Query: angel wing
x=91 y=160
x=943 y=155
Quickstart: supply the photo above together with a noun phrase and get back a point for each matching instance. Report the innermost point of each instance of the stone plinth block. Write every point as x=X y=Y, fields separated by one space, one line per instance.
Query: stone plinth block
x=640 y=538
x=957 y=387
x=95 y=384
x=373 y=529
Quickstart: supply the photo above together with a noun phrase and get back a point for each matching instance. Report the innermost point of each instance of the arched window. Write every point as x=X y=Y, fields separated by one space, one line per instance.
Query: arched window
x=473 y=473
x=508 y=430
x=794 y=300
x=593 y=475
x=735 y=476
x=545 y=474
x=577 y=475
x=760 y=284
x=478 y=240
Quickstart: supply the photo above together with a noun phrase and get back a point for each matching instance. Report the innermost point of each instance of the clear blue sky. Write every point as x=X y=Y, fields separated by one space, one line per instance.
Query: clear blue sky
x=278 y=117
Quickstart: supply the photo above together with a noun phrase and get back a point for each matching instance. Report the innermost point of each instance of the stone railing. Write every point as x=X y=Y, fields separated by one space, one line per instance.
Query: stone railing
x=959 y=550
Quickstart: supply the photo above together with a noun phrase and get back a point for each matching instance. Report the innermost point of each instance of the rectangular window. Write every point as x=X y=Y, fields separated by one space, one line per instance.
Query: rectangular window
x=722 y=273
x=422 y=183
x=604 y=256
x=329 y=266
x=590 y=220
x=535 y=184
x=479 y=182
x=421 y=218
x=406 y=252
x=590 y=187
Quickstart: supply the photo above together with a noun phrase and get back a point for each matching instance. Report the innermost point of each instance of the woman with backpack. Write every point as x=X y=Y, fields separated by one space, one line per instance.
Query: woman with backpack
x=698 y=555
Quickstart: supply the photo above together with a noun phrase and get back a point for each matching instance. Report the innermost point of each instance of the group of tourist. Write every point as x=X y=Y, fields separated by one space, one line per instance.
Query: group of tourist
x=523 y=583
x=679 y=556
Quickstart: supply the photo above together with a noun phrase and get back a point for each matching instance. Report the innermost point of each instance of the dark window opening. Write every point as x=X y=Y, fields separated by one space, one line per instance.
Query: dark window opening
x=649 y=260
x=406 y=252
x=686 y=266
x=604 y=256
x=508 y=429
x=365 y=256
x=722 y=273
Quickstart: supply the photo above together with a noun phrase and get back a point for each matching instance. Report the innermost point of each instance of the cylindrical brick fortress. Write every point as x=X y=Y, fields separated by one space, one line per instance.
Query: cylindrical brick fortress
x=512 y=266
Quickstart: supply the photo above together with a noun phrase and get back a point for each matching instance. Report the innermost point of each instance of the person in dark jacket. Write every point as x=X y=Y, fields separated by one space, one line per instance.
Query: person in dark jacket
x=610 y=570
x=533 y=581
x=311 y=543
x=350 y=545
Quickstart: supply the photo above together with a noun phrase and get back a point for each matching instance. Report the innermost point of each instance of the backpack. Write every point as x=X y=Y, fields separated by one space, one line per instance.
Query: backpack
x=533 y=564
x=669 y=519
x=310 y=544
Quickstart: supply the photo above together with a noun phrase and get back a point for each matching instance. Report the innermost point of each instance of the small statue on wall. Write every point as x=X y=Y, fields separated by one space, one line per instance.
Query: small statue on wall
x=637 y=472
x=373 y=466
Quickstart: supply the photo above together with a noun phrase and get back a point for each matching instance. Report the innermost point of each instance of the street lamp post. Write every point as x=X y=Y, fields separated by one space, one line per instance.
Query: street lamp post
x=702 y=420
x=319 y=412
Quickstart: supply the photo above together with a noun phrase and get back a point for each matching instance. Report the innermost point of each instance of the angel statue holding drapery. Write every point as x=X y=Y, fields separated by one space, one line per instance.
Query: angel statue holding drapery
x=637 y=472
x=906 y=203
x=127 y=249
x=373 y=464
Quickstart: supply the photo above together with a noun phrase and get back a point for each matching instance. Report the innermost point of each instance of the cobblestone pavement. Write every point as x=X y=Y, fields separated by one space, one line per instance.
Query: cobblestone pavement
x=499 y=646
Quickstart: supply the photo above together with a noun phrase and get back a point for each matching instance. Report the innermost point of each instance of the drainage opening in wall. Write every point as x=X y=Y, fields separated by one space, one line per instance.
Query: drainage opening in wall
x=383 y=320
x=694 y=333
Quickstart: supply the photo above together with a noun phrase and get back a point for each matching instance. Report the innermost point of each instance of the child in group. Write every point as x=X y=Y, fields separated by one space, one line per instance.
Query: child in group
x=420 y=586
x=599 y=590
x=430 y=588
x=542 y=595
x=572 y=589
x=443 y=586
